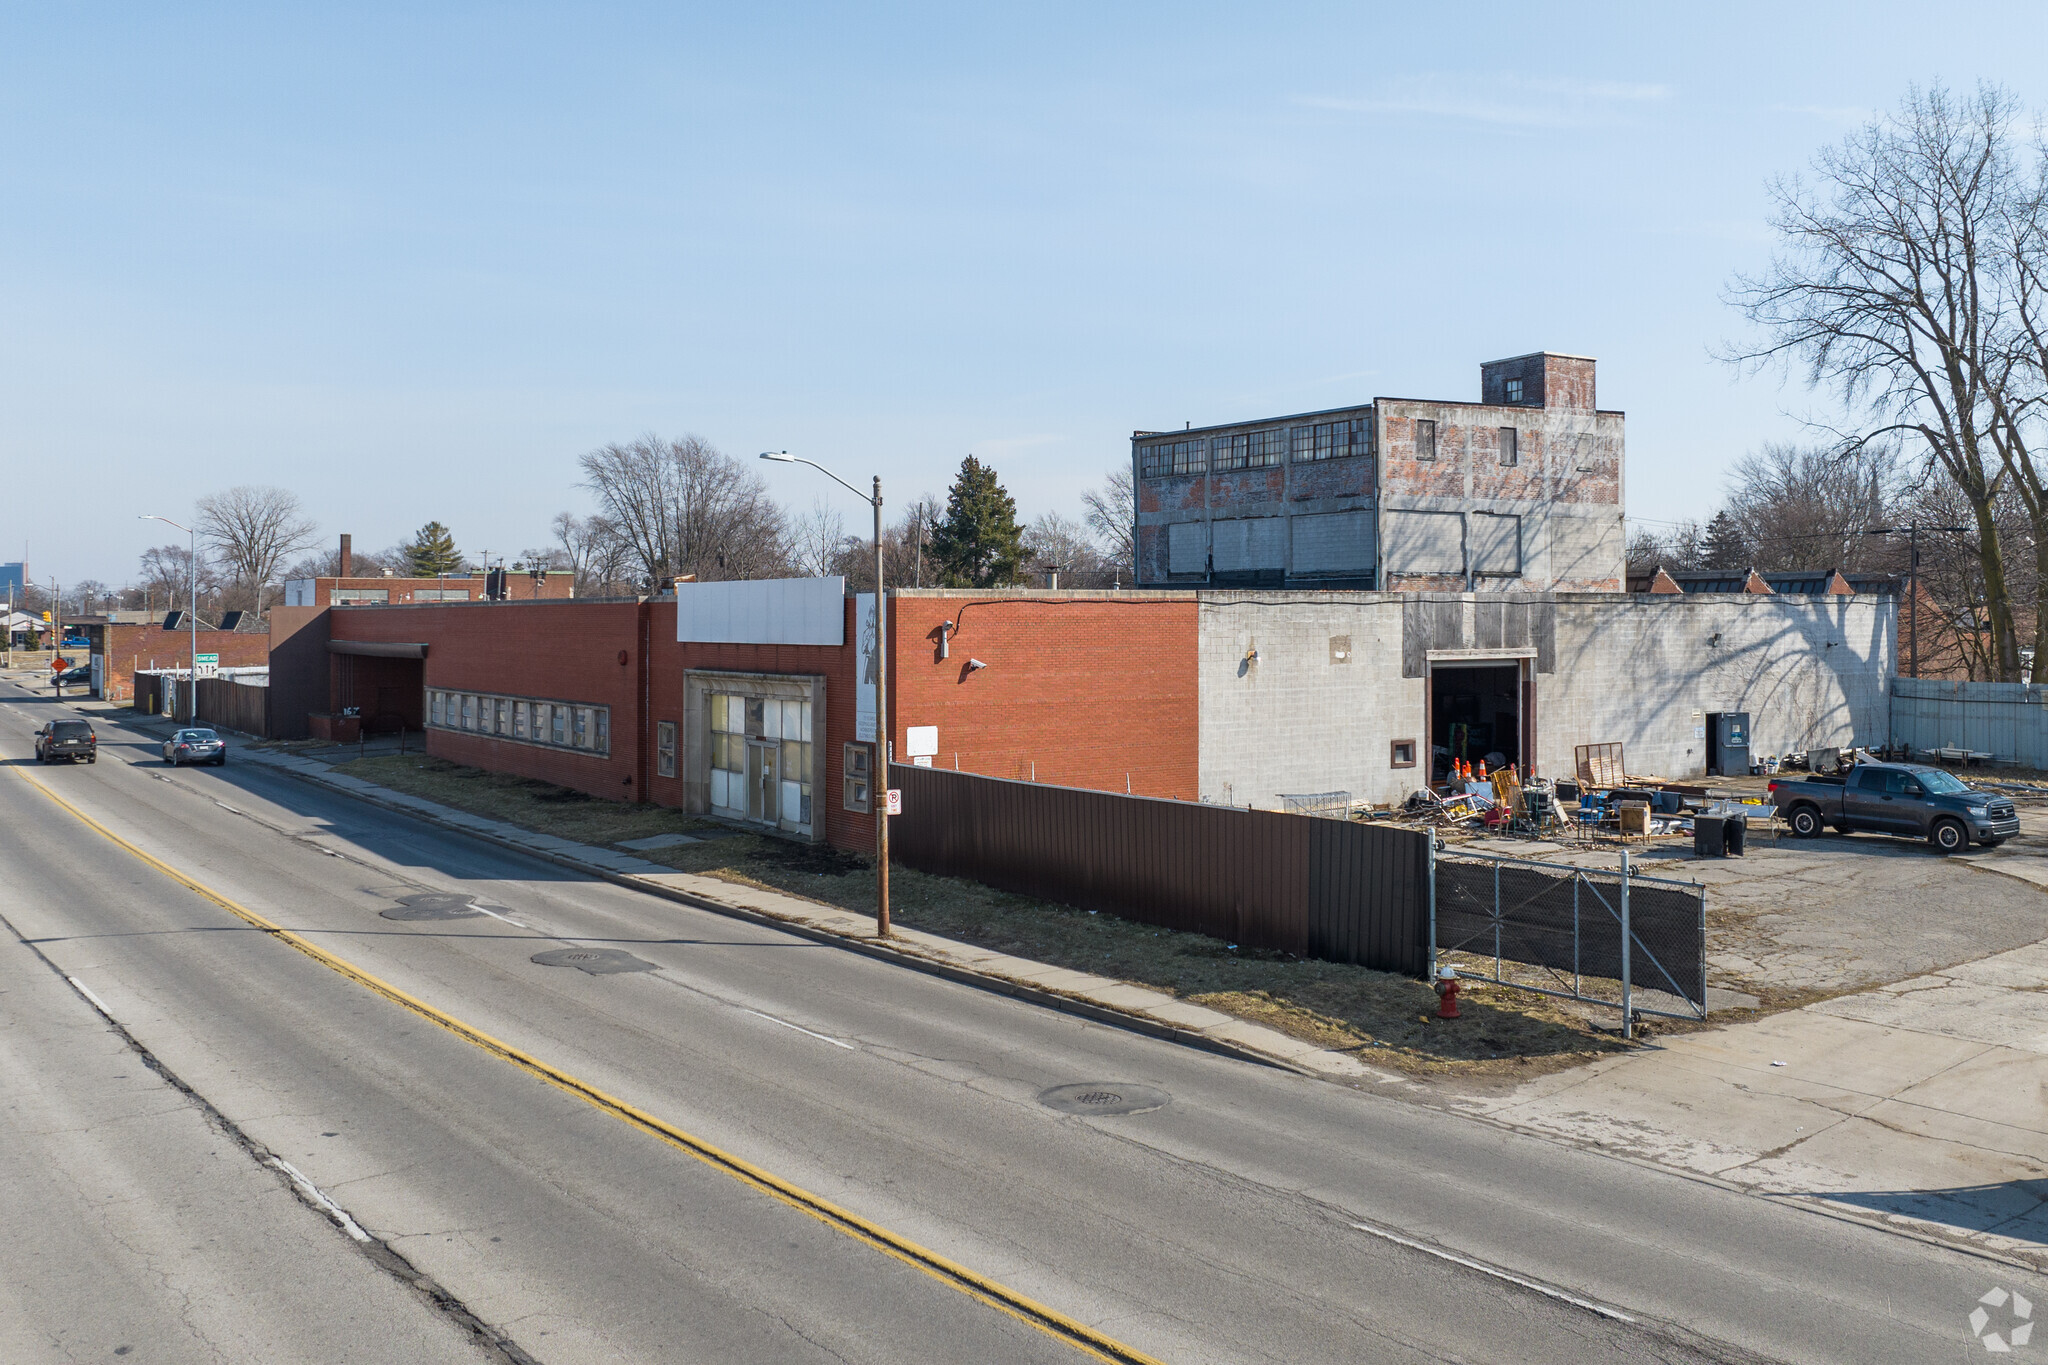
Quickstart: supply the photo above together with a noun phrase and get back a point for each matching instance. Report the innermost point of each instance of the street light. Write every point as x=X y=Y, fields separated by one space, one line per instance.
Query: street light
x=878 y=795
x=192 y=607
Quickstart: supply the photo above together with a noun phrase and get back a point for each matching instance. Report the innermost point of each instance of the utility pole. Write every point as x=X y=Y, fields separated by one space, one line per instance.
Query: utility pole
x=1912 y=534
x=878 y=781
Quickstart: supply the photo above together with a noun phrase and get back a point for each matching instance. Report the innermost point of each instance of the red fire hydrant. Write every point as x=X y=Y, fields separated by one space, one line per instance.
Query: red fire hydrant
x=1447 y=984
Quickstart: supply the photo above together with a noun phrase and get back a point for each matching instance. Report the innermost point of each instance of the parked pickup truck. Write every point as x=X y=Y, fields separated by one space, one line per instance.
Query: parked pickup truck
x=1897 y=798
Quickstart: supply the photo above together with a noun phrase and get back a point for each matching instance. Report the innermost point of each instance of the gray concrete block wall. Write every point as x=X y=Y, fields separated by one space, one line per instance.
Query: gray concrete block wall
x=1644 y=671
x=1635 y=669
x=1294 y=720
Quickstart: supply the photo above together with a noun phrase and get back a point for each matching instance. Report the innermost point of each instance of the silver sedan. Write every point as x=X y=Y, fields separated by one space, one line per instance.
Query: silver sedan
x=196 y=746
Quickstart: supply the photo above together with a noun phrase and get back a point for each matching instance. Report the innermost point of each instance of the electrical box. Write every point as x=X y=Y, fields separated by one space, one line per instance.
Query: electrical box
x=1727 y=743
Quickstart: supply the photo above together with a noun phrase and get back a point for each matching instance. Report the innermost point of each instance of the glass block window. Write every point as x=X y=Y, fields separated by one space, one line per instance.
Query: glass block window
x=553 y=724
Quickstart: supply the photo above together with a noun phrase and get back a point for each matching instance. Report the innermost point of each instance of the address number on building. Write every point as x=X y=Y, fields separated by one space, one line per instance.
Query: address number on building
x=895 y=800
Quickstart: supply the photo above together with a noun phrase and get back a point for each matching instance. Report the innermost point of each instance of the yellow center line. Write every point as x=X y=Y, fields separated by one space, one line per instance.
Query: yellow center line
x=995 y=1294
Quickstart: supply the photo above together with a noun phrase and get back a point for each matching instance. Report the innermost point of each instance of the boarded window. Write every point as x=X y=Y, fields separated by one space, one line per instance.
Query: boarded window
x=1496 y=544
x=1332 y=543
x=1243 y=544
x=1510 y=446
x=665 y=748
x=1187 y=547
x=1425 y=439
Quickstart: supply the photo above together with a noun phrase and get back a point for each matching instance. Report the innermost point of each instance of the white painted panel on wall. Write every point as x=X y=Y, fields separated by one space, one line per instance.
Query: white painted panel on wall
x=1250 y=543
x=720 y=797
x=1425 y=542
x=1333 y=542
x=767 y=611
x=1496 y=540
x=1187 y=547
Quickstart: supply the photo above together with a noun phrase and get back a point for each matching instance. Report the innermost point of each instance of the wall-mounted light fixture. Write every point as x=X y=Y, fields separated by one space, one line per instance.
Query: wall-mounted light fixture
x=1716 y=640
x=974 y=664
x=946 y=629
x=1251 y=656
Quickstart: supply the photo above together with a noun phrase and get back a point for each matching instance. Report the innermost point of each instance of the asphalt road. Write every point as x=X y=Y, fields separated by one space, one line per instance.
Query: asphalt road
x=1222 y=1226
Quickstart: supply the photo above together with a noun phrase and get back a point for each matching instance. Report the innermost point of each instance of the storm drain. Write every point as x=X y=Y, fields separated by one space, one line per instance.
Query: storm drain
x=1105 y=1097
x=433 y=905
x=596 y=961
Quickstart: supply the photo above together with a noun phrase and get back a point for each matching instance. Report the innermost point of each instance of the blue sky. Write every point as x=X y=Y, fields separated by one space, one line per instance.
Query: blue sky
x=411 y=261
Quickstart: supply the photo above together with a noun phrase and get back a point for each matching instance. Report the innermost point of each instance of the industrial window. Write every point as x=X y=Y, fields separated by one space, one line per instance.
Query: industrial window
x=1514 y=390
x=761 y=758
x=1510 y=446
x=1230 y=452
x=520 y=718
x=441 y=595
x=1267 y=448
x=858 y=777
x=665 y=748
x=1332 y=440
x=1173 y=457
x=1403 y=754
x=1425 y=439
x=355 y=597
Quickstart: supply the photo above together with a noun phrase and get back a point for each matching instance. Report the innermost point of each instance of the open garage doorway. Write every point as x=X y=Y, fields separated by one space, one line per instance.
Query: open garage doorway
x=1479 y=712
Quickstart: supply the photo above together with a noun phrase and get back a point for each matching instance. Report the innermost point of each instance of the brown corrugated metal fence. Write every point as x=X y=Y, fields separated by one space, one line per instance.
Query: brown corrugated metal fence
x=1331 y=889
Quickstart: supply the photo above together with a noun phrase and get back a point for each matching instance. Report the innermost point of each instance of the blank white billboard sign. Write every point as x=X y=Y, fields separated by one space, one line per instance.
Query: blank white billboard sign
x=763 y=611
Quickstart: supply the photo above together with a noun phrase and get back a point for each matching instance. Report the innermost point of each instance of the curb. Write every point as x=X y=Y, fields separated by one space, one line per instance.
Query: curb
x=965 y=976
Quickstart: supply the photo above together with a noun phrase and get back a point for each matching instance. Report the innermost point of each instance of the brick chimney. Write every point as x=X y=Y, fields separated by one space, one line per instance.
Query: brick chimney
x=342 y=561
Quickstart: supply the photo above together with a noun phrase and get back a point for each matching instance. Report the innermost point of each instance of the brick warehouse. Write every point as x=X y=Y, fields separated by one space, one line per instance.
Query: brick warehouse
x=1520 y=490
x=1230 y=697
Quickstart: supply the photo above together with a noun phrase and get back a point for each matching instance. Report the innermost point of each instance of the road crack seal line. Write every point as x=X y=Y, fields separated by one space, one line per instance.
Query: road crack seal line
x=952 y=1274
x=496 y=1345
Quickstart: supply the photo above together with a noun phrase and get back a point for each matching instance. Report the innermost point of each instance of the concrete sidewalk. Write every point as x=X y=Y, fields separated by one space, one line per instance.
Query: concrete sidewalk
x=1921 y=1105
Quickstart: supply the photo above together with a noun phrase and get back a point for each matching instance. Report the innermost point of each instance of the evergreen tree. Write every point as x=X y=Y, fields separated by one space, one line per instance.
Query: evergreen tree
x=432 y=552
x=978 y=543
x=1724 y=546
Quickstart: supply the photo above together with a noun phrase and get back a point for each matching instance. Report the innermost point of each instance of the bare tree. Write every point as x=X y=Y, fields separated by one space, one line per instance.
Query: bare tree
x=599 y=555
x=683 y=507
x=1889 y=291
x=1112 y=514
x=166 y=582
x=816 y=540
x=1057 y=541
x=253 y=530
x=1813 y=507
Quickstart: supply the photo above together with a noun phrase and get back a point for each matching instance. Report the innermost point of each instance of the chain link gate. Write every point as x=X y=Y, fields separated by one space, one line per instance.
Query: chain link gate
x=1638 y=944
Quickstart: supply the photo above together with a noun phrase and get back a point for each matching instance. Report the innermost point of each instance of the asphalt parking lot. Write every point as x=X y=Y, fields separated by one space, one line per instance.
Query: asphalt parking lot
x=1801 y=919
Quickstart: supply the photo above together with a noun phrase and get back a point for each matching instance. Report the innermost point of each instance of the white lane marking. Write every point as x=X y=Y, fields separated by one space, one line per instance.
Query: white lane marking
x=312 y=1192
x=1495 y=1271
x=226 y=807
x=495 y=915
x=86 y=991
x=798 y=1027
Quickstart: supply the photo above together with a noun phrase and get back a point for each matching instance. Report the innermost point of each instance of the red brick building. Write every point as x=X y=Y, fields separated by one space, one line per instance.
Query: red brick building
x=602 y=696
x=119 y=650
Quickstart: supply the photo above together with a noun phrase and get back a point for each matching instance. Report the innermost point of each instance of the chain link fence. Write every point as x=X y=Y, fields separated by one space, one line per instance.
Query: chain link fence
x=1610 y=937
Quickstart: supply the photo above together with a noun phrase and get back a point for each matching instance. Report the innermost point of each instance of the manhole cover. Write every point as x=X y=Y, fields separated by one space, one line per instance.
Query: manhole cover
x=1105 y=1097
x=434 y=905
x=596 y=961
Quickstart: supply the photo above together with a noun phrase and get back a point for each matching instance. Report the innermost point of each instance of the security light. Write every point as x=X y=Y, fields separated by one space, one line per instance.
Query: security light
x=973 y=664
